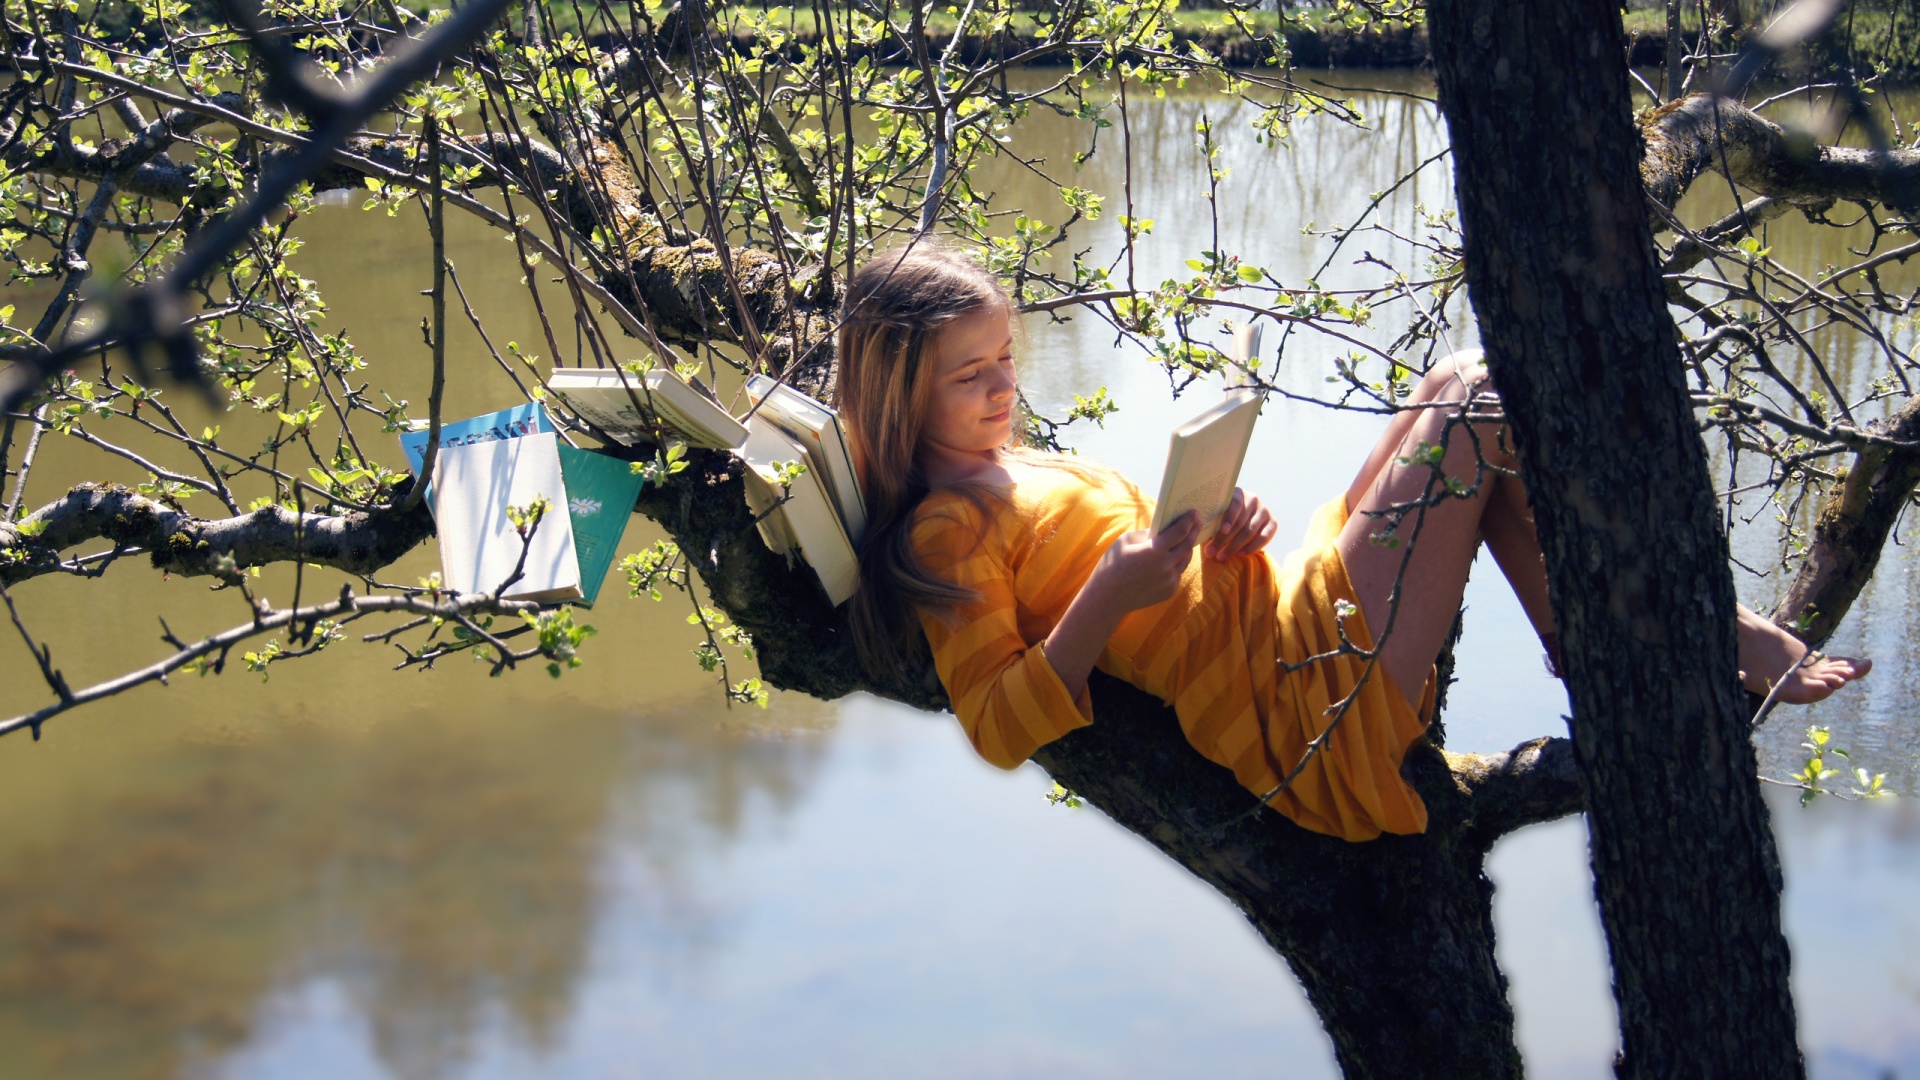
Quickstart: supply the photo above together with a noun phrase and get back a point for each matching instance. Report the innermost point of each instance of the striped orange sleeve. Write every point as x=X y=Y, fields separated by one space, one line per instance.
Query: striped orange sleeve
x=1009 y=699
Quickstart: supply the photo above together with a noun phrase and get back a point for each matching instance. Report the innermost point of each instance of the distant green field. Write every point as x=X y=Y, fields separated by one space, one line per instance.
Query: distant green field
x=804 y=20
x=1865 y=35
x=1868 y=32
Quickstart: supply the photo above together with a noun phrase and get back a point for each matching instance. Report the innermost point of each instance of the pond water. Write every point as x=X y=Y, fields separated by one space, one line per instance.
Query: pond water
x=348 y=871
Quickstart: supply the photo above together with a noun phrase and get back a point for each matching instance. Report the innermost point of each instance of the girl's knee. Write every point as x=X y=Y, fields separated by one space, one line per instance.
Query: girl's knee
x=1457 y=377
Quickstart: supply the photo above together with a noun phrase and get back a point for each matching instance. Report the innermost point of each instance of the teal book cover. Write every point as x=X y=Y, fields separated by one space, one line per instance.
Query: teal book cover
x=600 y=495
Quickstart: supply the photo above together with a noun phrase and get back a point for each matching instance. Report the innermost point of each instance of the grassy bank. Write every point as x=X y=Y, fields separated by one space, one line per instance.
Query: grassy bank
x=1869 y=38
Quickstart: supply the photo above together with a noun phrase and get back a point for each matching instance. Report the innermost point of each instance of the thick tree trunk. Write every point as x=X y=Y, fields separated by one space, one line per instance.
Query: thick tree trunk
x=1573 y=314
x=1392 y=939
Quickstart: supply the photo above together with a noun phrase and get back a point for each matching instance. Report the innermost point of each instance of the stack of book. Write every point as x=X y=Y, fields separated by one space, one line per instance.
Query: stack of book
x=817 y=514
x=509 y=459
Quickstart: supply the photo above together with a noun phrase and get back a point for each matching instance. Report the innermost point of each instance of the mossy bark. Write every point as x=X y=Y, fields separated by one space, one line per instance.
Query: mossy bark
x=1852 y=527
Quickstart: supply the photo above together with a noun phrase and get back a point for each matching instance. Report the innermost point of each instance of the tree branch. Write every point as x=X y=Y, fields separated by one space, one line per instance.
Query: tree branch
x=1534 y=782
x=155 y=312
x=345 y=606
x=1685 y=138
x=1852 y=528
x=180 y=543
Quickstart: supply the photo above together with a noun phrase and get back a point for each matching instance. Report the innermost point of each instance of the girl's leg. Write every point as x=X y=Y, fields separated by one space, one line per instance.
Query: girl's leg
x=1437 y=549
x=1446 y=379
x=1507 y=523
x=1507 y=528
x=1429 y=553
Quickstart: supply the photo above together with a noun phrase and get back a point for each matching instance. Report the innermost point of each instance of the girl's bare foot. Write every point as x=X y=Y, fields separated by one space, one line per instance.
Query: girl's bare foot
x=1769 y=654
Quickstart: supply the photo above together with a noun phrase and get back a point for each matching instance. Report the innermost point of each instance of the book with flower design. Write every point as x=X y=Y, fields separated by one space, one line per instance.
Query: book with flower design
x=601 y=491
x=481 y=471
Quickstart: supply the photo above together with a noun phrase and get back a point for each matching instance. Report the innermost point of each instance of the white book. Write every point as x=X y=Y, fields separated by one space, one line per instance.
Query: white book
x=607 y=396
x=808 y=516
x=1246 y=341
x=1203 y=463
x=818 y=429
x=474 y=485
x=763 y=499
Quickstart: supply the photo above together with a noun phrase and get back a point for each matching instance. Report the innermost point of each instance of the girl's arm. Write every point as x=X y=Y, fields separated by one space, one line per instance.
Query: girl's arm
x=1004 y=691
x=1139 y=570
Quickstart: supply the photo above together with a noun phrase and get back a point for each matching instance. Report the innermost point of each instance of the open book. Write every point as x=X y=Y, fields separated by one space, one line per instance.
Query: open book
x=802 y=516
x=593 y=497
x=506 y=424
x=817 y=428
x=619 y=403
x=474 y=485
x=1204 y=462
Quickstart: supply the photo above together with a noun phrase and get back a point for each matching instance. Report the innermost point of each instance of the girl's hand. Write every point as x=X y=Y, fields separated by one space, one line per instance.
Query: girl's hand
x=1246 y=528
x=1142 y=569
x=1138 y=570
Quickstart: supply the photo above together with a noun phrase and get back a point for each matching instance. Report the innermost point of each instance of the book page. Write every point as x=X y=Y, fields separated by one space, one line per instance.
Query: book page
x=505 y=424
x=1209 y=492
x=611 y=412
x=808 y=513
x=598 y=395
x=479 y=547
x=819 y=429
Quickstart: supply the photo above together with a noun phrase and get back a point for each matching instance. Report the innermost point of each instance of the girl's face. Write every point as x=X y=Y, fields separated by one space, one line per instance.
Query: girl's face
x=970 y=416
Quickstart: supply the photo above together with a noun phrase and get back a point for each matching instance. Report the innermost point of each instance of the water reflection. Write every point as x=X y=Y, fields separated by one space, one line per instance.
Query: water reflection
x=444 y=869
x=345 y=871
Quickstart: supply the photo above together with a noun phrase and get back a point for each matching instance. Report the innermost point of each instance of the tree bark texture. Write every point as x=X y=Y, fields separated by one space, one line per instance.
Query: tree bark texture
x=1392 y=939
x=1685 y=138
x=1561 y=271
x=176 y=542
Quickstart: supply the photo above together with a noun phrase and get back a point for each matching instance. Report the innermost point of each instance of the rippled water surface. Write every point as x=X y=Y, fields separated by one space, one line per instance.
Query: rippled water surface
x=347 y=871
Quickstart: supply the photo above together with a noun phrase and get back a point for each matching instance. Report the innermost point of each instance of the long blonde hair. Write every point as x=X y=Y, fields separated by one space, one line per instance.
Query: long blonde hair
x=896 y=307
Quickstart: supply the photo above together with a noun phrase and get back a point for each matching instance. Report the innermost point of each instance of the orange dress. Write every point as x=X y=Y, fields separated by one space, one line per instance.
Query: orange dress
x=1229 y=651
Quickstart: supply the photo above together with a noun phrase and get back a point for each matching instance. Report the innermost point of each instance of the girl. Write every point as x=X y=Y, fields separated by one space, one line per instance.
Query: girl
x=1026 y=571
